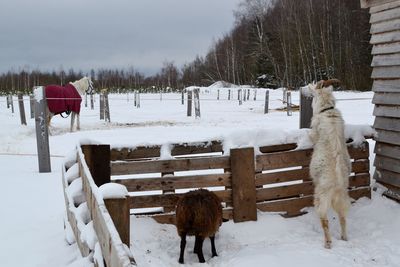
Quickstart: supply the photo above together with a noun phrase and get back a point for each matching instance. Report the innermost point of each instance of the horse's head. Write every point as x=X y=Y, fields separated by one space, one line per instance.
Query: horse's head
x=90 y=89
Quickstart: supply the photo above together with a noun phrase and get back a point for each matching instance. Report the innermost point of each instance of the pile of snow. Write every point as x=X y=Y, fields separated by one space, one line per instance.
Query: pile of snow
x=113 y=190
x=223 y=84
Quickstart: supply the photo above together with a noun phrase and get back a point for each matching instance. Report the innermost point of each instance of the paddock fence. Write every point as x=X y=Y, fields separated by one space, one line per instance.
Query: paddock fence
x=273 y=179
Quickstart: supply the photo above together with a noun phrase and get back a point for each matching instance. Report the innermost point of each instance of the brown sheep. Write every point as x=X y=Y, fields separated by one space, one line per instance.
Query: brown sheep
x=198 y=213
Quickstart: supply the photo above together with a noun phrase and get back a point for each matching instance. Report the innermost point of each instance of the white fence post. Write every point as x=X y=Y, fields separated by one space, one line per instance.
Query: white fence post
x=189 y=103
x=42 y=132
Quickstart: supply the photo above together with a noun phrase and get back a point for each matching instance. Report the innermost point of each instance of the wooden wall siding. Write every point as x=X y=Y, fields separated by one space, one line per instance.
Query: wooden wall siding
x=270 y=194
x=385 y=38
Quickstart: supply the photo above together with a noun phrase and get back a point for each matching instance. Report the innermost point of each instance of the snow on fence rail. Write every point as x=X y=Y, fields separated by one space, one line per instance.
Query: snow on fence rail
x=274 y=180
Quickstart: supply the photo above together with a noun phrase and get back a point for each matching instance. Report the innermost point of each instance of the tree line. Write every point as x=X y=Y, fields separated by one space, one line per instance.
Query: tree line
x=273 y=43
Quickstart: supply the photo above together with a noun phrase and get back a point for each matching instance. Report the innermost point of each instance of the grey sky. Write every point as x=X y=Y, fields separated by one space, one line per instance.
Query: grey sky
x=85 y=34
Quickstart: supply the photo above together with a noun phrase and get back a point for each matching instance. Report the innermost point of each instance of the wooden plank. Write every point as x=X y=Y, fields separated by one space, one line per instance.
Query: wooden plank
x=286 y=191
x=177 y=149
x=386 y=60
x=390 y=72
x=387 y=150
x=391 y=124
x=361 y=152
x=389 y=137
x=282 y=176
x=385 y=15
x=386 y=85
x=382 y=7
x=359 y=180
x=110 y=242
x=387 y=177
x=386 y=163
x=386 y=98
x=387 y=111
x=294 y=205
x=382 y=49
x=283 y=160
x=243 y=187
x=177 y=182
x=167 y=200
x=277 y=148
x=97 y=158
x=385 y=26
x=154 y=166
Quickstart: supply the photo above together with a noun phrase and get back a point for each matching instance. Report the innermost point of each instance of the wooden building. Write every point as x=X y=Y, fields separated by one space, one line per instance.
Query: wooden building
x=385 y=38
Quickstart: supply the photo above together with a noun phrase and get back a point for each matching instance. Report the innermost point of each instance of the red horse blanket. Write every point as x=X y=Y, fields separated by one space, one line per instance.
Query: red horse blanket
x=63 y=99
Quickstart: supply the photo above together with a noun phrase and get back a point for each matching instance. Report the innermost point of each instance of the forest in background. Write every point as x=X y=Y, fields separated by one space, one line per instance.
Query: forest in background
x=273 y=43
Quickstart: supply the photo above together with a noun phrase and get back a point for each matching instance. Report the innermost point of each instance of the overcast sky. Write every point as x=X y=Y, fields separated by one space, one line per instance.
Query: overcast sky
x=85 y=34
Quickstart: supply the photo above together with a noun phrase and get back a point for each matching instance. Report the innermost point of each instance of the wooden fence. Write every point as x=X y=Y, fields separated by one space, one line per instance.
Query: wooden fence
x=276 y=180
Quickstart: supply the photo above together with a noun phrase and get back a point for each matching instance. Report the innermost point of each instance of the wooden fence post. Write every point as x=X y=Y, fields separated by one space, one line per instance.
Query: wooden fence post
x=21 y=108
x=255 y=95
x=240 y=96
x=243 y=184
x=8 y=101
x=85 y=100
x=229 y=94
x=306 y=110
x=91 y=101
x=197 y=103
x=106 y=108
x=42 y=132
x=118 y=208
x=189 y=103
x=289 y=103
x=97 y=158
x=12 y=103
x=183 y=98
x=248 y=94
x=266 y=104
x=101 y=106
x=32 y=105
x=218 y=94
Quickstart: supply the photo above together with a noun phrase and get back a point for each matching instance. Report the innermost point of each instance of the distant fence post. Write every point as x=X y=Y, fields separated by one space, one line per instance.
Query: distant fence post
x=289 y=103
x=197 y=103
x=240 y=96
x=32 y=105
x=248 y=94
x=106 y=108
x=85 y=100
x=266 y=104
x=189 y=103
x=42 y=132
x=8 y=101
x=239 y=91
x=12 y=103
x=243 y=184
x=101 y=106
x=218 y=94
x=284 y=95
x=138 y=100
x=91 y=101
x=255 y=94
x=244 y=95
x=183 y=98
x=134 y=98
x=21 y=108
x=306 y=110
x=229 y=94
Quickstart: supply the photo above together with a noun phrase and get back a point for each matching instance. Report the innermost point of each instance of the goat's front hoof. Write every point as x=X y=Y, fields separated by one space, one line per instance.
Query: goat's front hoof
x=328 y=244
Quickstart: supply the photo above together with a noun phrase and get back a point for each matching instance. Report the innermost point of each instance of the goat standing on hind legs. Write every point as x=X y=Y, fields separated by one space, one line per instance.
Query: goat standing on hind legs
x=198 y=213
x=330 y=164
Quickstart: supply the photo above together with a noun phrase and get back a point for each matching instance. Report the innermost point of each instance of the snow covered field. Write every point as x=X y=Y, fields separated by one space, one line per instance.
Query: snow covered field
x=32 y=204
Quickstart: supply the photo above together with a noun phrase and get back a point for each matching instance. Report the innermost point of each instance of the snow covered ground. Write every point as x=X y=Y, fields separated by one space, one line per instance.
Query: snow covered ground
x=32 y=204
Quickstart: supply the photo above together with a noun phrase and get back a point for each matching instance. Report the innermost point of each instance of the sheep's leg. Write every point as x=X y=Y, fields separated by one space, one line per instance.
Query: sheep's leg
x=213 y=250
x=183 y=244
x=199 y=248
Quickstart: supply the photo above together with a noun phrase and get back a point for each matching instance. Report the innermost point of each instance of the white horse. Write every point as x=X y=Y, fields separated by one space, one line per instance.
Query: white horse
x=67 y=99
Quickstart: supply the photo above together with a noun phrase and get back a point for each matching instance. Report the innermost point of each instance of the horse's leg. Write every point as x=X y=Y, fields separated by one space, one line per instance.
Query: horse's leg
x=78 y=125
x=72 y=121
